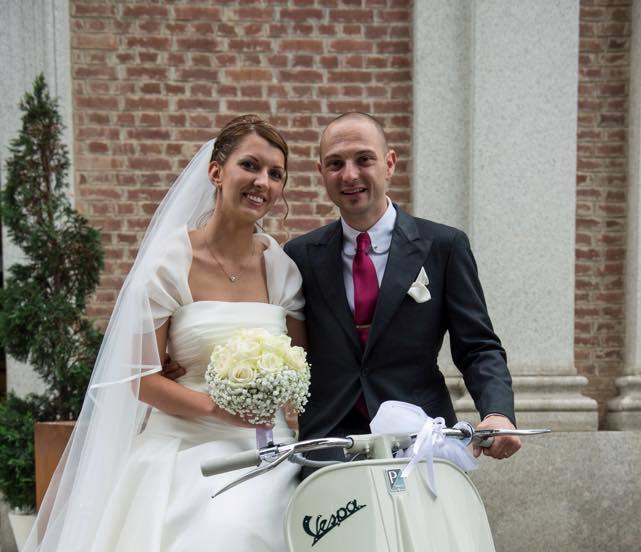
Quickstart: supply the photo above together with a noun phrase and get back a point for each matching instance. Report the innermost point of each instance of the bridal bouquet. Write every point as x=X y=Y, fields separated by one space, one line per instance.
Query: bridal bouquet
x=255 y=373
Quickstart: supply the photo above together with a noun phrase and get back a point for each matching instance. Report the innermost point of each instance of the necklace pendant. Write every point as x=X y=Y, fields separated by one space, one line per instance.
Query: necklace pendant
x=232 y=279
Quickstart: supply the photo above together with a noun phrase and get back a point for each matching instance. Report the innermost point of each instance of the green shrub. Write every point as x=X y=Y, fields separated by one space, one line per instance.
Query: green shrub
x=17 y=468
x=43 y=299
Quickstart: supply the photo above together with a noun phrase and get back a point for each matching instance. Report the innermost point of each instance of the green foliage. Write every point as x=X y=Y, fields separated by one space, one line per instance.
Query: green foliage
x=44 y=297
x=17 y=468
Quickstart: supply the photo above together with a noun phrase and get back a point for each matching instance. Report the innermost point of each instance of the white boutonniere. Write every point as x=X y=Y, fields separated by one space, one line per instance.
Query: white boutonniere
x=418 y=290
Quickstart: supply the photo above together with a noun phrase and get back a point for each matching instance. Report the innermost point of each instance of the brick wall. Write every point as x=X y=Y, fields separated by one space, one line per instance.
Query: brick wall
x=601 y=194
x=152 y=81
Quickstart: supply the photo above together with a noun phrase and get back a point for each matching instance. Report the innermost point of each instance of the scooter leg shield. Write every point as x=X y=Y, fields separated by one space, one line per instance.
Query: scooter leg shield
x=367 y=507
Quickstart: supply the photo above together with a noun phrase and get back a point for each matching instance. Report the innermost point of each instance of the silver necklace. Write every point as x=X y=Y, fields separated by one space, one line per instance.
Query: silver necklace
x=231 y=277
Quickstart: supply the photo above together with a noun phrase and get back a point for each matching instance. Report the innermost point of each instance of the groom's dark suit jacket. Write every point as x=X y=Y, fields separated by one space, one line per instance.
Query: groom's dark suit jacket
x=399 y=361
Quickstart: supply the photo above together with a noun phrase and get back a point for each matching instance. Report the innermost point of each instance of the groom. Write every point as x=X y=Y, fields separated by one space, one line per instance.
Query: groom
x=382 y=288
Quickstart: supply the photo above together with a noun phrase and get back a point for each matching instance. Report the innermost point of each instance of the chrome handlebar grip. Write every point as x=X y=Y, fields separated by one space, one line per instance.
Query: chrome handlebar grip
x=246 y=459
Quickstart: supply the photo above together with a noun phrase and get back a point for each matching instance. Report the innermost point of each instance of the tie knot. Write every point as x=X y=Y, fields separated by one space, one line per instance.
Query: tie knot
x=363 y=242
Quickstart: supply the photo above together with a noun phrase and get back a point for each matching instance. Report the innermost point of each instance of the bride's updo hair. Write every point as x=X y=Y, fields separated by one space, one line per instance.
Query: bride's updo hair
x=235 y=130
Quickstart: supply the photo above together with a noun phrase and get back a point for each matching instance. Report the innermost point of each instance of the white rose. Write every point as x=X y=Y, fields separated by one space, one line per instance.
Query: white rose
x=241 y=374
x=222 y=370
x=234 y=342
x=247 y=349
x=220 y=360
x=297 y=358
x=278 y=344
x=270 y=363
x=283 y=340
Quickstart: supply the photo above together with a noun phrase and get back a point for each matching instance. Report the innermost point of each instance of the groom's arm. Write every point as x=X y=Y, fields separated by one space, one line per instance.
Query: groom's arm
x=476 y=349
x=171 y=369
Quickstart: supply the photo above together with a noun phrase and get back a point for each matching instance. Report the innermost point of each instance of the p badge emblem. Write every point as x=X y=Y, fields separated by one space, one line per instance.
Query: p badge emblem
x=395 y=483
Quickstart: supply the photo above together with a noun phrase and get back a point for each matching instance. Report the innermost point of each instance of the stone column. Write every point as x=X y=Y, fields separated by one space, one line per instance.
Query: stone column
x=34 y=38
x=624 y=411
x=494 y=153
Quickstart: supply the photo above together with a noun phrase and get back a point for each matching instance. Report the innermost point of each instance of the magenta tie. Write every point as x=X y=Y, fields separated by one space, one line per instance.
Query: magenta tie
x=365 y=287
x=365 y=295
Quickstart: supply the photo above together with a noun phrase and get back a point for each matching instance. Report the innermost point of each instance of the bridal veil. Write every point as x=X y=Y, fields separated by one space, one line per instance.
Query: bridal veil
x=111 y=415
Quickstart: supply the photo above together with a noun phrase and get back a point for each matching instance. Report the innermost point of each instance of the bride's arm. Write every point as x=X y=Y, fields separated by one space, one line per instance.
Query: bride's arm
x=296 y=330
x=176 y=399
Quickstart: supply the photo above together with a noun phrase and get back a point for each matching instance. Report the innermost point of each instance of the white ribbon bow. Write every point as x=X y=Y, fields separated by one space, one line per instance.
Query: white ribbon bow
x=418 y=290
x=401 y=418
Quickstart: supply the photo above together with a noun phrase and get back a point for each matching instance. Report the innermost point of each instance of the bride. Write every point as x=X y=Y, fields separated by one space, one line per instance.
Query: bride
x=130 y=477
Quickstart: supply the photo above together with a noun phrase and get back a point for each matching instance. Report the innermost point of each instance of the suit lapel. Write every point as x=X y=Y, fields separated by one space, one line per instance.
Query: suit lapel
x=407 y=254
x=326 y=260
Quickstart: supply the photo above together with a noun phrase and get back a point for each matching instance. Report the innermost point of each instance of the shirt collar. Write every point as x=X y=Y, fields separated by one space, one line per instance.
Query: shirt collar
x=380 y=234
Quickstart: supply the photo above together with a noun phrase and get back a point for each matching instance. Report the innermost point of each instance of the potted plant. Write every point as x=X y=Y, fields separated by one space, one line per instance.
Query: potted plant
x=43 y=300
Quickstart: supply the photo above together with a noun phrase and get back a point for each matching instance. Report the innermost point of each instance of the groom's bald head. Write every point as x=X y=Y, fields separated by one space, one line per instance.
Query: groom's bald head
x=353 y=116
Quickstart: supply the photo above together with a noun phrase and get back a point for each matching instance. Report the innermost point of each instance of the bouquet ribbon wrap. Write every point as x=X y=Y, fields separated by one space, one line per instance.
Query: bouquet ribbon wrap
x=264 y=437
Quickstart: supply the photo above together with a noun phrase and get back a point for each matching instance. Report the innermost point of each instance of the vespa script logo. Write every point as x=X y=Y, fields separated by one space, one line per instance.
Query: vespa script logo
x=323 y=525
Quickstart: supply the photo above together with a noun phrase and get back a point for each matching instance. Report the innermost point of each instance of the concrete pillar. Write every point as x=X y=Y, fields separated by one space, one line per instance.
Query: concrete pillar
x=624 y=411
x=34 y=38
x=494 y=153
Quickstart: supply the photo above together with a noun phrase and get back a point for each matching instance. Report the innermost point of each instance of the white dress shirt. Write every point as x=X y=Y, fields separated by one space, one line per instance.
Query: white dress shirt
x=381 y=239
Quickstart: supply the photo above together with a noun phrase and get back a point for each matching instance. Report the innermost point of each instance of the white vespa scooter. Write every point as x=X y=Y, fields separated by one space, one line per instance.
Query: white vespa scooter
x=372 y=503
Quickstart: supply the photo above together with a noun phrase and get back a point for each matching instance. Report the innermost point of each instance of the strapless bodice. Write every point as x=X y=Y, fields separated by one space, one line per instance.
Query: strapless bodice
x=196 y=328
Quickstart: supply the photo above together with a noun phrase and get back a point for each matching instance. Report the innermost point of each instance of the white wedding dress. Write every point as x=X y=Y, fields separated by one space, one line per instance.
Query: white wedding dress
x=161 y=502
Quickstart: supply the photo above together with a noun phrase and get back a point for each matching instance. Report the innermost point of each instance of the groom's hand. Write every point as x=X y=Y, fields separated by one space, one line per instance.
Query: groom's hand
x=502 y=447
x=172 y=370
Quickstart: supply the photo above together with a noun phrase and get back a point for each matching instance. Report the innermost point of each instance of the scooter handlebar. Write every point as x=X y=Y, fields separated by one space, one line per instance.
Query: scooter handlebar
x=275 y=453
x=237 y=461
